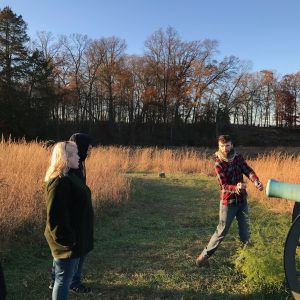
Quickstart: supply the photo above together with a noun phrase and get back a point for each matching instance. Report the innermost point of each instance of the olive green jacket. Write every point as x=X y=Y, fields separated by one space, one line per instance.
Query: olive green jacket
x=69 y=225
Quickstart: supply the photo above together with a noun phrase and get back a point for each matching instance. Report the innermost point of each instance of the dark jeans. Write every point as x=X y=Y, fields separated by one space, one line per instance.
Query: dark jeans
x=2 y=285
x=64 y=272
x=76 y=280
x=226 y=216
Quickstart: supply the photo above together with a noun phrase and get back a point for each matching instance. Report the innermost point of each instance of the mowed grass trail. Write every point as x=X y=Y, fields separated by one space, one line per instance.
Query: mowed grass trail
x=147 y=249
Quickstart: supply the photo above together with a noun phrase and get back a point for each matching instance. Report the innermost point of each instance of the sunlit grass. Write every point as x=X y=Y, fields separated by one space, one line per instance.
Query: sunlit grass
x=22 y=170
x=23 y=165
x=147 y=249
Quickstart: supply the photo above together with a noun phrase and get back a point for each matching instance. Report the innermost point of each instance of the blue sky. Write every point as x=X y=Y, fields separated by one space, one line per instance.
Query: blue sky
x=265 y=32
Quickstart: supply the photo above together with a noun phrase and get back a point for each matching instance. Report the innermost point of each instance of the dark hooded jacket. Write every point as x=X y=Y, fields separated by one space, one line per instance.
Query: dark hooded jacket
x=83 y=141
x=69 y=227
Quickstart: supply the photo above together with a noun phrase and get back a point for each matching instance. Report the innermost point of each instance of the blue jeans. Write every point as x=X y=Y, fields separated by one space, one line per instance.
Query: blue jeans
x=76 y=280
x=64 y=272
x=226 y=216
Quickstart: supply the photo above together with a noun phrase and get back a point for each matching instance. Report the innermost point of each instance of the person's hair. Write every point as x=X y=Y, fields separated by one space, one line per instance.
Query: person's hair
x=224 y=138
x=59 y=162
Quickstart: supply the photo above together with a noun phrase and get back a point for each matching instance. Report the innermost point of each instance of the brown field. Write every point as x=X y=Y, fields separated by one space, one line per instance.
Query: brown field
x=23 y=166
x=22 y=169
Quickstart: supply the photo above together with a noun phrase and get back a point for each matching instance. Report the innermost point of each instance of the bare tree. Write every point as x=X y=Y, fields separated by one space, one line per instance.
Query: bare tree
x=291 y=83
x=113 y=55
x=73 y=50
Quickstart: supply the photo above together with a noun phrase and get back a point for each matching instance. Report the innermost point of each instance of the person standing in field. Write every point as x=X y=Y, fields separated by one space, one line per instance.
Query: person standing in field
x=2 y=285
x=84 y=145
x=69 y=223
x=230 y=167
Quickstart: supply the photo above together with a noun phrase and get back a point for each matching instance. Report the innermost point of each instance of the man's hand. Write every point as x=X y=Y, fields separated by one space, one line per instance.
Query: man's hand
x=241 y=186
x=259 y=185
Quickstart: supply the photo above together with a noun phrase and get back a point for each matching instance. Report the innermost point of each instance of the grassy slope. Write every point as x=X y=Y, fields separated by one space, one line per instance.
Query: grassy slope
x=147 y=249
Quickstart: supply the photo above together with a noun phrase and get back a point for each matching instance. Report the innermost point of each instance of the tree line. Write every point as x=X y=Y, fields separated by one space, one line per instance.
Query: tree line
x=55 y=82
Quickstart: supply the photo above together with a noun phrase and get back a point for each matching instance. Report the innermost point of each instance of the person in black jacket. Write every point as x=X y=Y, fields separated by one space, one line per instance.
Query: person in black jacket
x=84 y=145
x=69 y=224
x=2 y=285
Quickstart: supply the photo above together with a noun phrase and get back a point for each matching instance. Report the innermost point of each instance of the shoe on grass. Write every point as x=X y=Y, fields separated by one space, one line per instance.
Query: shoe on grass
x=80 y=289
x=51 y=285
x=202 y=260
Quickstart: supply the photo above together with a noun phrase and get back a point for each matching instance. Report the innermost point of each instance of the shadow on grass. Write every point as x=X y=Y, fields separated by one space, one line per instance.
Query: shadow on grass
x=116 y=292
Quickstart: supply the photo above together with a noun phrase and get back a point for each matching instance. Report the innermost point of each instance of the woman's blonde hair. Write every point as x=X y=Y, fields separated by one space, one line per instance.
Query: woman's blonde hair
x=59 y=165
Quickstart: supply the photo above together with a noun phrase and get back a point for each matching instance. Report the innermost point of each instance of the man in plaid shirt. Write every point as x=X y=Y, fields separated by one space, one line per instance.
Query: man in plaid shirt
x=230 y=167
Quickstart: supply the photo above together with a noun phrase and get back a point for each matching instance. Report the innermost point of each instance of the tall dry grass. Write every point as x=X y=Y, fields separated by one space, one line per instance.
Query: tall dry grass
x=153 y=159
x=23 y=166
x=22 y=170
x=276 y=164
x=279 y=166
x=107 y=181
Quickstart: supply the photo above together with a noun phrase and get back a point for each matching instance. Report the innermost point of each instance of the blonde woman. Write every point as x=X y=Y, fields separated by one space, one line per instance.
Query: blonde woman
x=69 y=225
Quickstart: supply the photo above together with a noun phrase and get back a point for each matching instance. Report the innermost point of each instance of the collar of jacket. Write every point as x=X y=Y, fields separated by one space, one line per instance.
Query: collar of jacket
x=229 y=158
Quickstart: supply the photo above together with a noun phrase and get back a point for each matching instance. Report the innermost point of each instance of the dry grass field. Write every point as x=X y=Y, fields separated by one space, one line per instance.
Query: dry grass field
x=22 y=170
x=280 y=166
x=277 y=163
x=163 y=225
x=23 y=165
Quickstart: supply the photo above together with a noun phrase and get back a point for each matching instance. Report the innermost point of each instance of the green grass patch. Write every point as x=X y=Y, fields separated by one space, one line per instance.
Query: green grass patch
x=147 y=249
x=262 y=261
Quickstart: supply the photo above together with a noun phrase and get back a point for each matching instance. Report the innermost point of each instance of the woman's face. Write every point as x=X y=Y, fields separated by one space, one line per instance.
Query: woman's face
x=73 y=160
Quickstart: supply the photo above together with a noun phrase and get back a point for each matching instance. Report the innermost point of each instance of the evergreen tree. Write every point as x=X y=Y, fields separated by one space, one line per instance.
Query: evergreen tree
x=40 y=96
x=13 y=50
x=13 y=56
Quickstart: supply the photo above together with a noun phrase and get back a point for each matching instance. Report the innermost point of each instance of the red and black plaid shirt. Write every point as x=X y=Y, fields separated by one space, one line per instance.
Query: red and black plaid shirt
x=229 y=175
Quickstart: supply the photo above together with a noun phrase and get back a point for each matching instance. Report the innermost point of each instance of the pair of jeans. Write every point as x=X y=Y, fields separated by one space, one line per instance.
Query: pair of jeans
x=76 y=280
x=64 y=272
x=227 y=214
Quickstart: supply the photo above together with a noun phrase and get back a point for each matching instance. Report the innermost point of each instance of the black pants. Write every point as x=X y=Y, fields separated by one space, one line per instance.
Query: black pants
x=2 y=285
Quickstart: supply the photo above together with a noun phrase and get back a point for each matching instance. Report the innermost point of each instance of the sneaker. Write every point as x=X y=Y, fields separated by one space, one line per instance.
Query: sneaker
x=51 y=285
x=247 y=244
x=80 y=289
x=202 y=260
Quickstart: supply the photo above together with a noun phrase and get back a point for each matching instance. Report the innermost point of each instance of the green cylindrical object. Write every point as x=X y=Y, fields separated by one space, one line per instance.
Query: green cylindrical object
x=279 y=189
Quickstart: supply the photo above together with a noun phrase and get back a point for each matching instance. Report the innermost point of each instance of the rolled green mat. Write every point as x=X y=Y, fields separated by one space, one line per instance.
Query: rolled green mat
x=279 y=189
